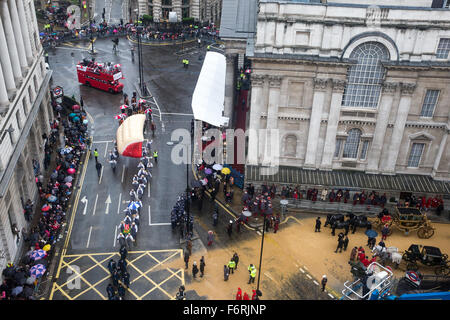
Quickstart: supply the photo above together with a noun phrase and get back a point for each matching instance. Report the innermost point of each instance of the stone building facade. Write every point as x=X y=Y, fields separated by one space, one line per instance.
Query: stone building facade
x=25 y=112
x=353 y=86
x=200 y=10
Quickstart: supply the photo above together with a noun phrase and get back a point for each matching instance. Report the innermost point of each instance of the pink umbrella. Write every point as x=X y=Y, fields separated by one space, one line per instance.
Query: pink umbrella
x=123 y=115
x=124 y=106
x=45 y=208
x=148 y=110
x=68 y=184
x=71 y=171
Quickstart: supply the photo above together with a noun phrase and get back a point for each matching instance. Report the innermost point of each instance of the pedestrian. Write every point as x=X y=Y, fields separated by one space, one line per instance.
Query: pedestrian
x=180 y=294
x=340 y=245
x=98 y=166
x=202 y=266
x=231 y=265
x=189 y=246
x=353 y=254
x=210 y=237
x=236 y=260
x=345 y=243
x=276 y=223
x=318 y=223
x=126 y=279
x=115 y=278
x=122 y=264
x=121 y=292
x=96 y=155
x=186 y=258
x=155 y=156
x=112 y=266
x=324 y=282
x=385 y=232
x=252 y=271
x=123 y=252
x=254 y=295
x=226 y=272
x=111 y=292
x=194 y=269
x=230 y=228
x=346 y=227
x=239 y=294
x=215 y=218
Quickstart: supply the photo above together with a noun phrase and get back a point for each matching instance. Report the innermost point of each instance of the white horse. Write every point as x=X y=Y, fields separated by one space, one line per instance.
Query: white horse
x=390 y=253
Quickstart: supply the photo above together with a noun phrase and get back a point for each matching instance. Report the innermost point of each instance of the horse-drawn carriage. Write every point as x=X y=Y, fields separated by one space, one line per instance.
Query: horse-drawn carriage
x=406 y=220
x=339 y=221
x=429 y=256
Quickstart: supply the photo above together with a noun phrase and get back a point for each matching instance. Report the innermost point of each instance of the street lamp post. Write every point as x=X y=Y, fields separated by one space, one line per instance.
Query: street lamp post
x=260 y=255
x=187 y=206
x=141 y=71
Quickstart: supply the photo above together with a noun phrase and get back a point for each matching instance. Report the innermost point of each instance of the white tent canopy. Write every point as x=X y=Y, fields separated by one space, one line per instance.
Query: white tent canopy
x=209 y=94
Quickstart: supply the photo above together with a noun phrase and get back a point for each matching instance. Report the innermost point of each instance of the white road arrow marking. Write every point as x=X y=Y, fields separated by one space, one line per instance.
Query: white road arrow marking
x=85 y=201
x=108 y=202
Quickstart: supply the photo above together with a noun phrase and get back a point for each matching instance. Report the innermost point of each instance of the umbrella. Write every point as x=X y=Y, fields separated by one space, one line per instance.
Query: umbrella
x=68 y=179
x=217 y=167
x=68 y=184
x=148 y=110
x=196 y=184
x=208 y=171
x=124 y=106
x=118 y=117
x=45 y=208
x=17 y=290
x=247 y=213
x=371 y=233
x=51 y=198
x=85 y=121
x=46 y=247
x=66 y=150
x=76 y=119
x=75 y=107
x=38 y=254
x=117 y=66
x=204 y=181
x=37 y=270
x=71 y=171
x=134 y=206
x=226 y=171
x=142 y=101
x=124 y=115
x=72 y=115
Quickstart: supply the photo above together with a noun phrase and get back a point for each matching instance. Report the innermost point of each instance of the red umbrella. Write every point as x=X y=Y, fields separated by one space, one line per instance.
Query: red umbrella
x=123 y=115
x=71 y=171
x=142 y=101
x=124 y=106
x=148 y=110
x=119 y=116
x=45 y=208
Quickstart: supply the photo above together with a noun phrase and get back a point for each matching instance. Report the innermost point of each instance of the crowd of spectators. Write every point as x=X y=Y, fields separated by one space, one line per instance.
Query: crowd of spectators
x=20 y=281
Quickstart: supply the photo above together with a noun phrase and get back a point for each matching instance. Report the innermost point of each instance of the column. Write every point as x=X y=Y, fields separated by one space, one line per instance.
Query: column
x=176 y=6
x=25 y=32
x=274 y=101
x=18 y=35
x=3 y=92
x=320 y=86
x=256 y=105
x=333 y=121
x=384 y=111
x=399 y=126
x=6 y=62
x=229 y=86
x=10 y=40
x=156 y=10
x=442 y=146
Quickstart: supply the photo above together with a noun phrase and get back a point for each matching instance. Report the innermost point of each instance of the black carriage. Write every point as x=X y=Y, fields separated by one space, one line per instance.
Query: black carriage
x=427 y=255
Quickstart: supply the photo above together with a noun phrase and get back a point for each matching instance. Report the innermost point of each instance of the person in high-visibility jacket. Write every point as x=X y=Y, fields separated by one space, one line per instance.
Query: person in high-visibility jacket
x=232 y=265
x=155 y=156
x=208 y=47
x=252 y=271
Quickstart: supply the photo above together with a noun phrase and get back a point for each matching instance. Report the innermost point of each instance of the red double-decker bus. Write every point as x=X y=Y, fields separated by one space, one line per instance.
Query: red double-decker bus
x=100 y=76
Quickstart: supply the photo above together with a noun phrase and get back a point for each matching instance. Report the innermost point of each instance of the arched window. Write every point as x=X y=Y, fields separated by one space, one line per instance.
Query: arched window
x=366 y=76
x=352 y=144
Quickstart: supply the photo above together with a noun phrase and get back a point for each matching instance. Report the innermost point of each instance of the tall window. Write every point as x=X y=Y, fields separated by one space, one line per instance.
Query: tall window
x=365 y=146
x=166 y=2
x=337 y=151
x=429 y=103
x=416 y=154
x=352 y=144
x=443 y=48
x=366 y=76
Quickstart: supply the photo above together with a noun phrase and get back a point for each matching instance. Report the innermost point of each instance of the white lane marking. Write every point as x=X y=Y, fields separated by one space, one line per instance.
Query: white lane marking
x=89 y=237
x=95 y=205
x=309 y=277
x=305 y=267
x=85 y=201
x=148 y=189
x=331 y=295
x=149 y=217
x=106 y=148
x=259 y=233
x=315 y=282
x=101 y=175
x=108 y=202
x=155 y=224
x=303 y=271
x=118 y=206
x=115 y=237
x=123 y=172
